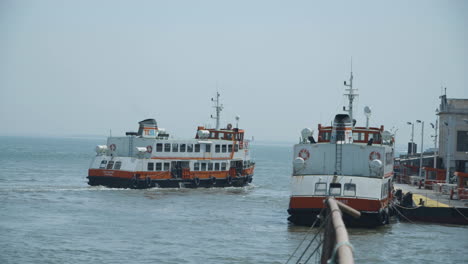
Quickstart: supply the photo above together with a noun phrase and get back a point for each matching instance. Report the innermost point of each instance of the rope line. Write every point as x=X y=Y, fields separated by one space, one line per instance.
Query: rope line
x=418 y=226
x=305 y=236
x=313 y=252
x=322 y=226
x=461 y=213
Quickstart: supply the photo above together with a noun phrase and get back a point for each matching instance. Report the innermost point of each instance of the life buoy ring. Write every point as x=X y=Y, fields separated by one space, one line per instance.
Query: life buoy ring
x=112 y=147
x=374 y=155
x=229 y=126
x=304 y=154
x=149 y=149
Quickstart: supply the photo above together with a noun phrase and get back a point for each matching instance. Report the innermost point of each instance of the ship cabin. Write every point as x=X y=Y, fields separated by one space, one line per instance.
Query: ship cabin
x=229 y=133
x=360 y=134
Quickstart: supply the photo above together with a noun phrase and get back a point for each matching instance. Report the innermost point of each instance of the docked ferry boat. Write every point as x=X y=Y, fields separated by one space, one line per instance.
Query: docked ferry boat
x=350 y=163
x=217 y=157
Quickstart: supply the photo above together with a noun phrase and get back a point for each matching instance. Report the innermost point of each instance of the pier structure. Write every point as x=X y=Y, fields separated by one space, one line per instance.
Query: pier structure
x=446 y=166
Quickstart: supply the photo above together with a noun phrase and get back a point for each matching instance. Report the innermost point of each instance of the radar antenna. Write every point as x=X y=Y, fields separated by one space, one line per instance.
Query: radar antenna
x=351 y=95
x=367 y=112
x=219 y=107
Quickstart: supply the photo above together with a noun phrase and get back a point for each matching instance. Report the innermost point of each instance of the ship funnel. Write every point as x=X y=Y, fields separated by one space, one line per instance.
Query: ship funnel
x=342 y=129
x=148 y=128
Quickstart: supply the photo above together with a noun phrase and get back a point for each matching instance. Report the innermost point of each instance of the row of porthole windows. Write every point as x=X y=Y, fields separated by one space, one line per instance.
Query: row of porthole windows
x=111 y=165
x=335 y=189
x=176 y=147
x=158 y=166
x=182 y=147
x=210 y=166
x=226 y=148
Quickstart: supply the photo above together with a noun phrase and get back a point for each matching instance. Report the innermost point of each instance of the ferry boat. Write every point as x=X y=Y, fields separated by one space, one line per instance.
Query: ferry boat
x=217 y=157
x=353 y=164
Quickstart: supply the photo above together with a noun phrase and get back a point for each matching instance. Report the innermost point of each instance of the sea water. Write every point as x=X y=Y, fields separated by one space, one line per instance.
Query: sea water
x=48 y=214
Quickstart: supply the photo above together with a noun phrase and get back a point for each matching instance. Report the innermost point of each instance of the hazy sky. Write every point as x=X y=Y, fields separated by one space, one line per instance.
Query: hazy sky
x=84 y=67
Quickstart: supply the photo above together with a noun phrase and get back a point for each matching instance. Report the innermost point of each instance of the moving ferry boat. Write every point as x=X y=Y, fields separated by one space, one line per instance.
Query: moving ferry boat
x=148 y=158
x=352 y=164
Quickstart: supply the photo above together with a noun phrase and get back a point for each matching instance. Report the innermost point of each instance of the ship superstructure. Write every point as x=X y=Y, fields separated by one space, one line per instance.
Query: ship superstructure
x=217 y=157
x=353 y=164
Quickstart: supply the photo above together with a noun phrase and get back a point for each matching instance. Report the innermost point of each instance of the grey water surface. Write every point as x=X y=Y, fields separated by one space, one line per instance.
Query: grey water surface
x=48 y=214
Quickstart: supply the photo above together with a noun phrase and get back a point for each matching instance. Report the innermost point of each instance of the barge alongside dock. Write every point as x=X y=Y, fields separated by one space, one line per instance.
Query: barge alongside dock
x=422 y=205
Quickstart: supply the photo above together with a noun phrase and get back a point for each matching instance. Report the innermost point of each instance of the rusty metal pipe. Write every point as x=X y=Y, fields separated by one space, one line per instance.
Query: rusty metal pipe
x=344 y=251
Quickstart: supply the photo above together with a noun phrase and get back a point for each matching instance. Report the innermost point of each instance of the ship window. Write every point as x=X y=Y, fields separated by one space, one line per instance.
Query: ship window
x=210 y=166
x=150 y=166
x=236 y=148
x=375 y=136
x=349 y=189
x=166 y=166
x=110 y=165
x=221 y=135
x=196 y=166
x=217 y=148
x=207 y=148
x=335 y=189
x=182 y=147
x=189 y=147
x=229 y=148
x=462 y=141
x=103 y=164
x=158 y=166
x=321 y=188
x=197 y=147
x=213 y=135
x=159 y=147
x=224 y=148
x=117 y=165
x=216 y=166
x=203 y=166
x=228 y=136
x=358 y=136
x=326 y=136
x=167 y=147
x=175 y=147
x=223 y=166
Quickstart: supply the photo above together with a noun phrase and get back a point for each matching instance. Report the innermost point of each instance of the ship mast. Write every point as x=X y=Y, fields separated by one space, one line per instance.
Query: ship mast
x=351 y=94
x=218 y=107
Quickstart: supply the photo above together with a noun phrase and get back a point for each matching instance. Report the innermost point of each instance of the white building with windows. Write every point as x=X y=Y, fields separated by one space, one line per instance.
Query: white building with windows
x=453 y=130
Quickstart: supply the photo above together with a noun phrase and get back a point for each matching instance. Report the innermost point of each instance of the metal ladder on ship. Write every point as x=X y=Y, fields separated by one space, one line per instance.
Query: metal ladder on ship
x=338 y=158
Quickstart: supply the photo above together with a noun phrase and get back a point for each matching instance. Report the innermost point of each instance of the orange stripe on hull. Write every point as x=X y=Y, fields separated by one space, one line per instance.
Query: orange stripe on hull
x=160 y=174
x=359 y=204
x=129 y=174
